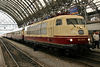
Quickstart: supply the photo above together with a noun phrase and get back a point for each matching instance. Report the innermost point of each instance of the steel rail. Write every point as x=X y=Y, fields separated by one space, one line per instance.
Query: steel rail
x=33 y=59
x=9 y=53
x=26 y=54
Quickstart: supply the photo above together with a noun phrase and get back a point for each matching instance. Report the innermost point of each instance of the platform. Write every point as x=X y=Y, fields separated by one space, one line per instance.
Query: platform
x=96 y=49
x=2 y=62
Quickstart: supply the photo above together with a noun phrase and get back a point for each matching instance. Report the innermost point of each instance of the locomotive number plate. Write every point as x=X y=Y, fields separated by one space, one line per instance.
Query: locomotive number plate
x=81 y=39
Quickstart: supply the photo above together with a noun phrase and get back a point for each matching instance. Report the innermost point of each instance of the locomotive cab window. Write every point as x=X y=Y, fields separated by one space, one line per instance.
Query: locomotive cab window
x=58 y=22
x=75 y=21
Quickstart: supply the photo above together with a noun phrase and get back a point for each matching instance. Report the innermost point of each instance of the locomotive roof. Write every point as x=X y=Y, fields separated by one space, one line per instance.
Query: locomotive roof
x=69 y=16
x=60 y=16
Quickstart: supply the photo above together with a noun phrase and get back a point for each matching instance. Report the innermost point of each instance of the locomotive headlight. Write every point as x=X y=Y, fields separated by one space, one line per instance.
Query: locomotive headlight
x=71 y=40
x=88 y=39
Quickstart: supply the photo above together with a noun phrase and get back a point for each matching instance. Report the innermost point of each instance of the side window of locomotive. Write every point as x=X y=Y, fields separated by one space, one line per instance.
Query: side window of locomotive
x=58 y=22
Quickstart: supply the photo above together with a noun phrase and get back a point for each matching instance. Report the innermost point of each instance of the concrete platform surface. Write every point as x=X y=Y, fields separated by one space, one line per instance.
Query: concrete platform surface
x=2 y=62
x=96 y=49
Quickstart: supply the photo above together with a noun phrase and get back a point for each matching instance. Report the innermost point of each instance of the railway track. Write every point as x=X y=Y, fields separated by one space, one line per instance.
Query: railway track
x=96 y=53
x=91 y=60
x=95 y=56
x=14 y=57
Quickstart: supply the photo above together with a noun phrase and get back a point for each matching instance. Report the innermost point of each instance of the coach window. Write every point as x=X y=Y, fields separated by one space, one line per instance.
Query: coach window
x=58 y=22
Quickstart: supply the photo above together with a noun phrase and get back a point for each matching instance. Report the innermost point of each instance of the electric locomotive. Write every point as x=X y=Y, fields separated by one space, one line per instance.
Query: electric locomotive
x=66 y=32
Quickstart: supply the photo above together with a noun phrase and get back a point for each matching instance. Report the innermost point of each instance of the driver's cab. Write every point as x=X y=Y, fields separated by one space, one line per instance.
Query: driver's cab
x=66 y=25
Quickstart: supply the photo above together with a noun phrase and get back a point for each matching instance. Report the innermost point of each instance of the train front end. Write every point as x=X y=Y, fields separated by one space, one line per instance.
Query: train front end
x=73 y=33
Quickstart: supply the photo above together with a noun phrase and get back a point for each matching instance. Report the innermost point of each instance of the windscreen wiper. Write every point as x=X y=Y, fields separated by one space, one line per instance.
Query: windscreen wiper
x=73 y=24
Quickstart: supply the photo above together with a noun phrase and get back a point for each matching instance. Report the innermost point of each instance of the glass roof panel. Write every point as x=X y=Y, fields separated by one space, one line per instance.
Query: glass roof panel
x=7 y=23
x=35 y=6
x=47 y=1
x=42 y=2
x=39 y=5
x=96 y=1
x=30 y=5
x=99 y=7
x=25 y=5
x=96 y=4
x=34 y=9
x=89 y=10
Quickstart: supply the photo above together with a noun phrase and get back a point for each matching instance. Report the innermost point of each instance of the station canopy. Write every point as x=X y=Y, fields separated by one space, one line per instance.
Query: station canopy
x=25 y=11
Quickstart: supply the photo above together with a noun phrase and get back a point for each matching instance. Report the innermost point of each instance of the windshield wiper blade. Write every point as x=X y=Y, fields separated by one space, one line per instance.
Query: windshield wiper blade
x=73 y=24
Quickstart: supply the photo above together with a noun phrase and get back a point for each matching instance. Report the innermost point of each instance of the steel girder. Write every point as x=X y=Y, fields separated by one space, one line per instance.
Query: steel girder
x=16 y=8
x=7 y=11
x=13 y=7
x=25 y=10
x=10 y=10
